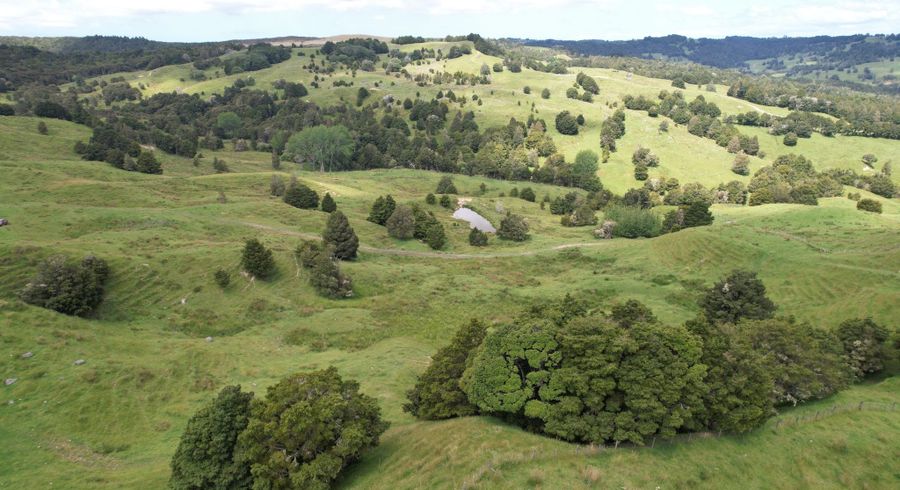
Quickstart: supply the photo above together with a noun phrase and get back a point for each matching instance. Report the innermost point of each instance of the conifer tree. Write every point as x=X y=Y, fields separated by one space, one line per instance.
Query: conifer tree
x=339 y=236
x=328 y=204
x=257 y=259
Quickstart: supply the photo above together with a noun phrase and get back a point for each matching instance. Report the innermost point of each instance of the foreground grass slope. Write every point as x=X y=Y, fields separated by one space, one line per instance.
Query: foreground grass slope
x=115 y=421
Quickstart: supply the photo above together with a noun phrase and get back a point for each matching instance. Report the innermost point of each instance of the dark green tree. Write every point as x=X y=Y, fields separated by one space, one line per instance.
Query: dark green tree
x=147 y=163
x=566 y=123
x=738 y=395
x=307 y=430
x=445 y=186
x=204 y=458
x=402 y=223
x=340 y=237
x=301 y=196
x=437 y=393
x=223 y=278
x=477 y=238
x=328 y=204
x=430 y=199
x=864 y=345
x=527 y=194
x=435 y=236
x=257 y=259
x=446 y=201
x=513 y=227
x=738 y=295
x=68 y=288
x=805 y=362
x=697 y=214
x=326 y=277
x=382 y=209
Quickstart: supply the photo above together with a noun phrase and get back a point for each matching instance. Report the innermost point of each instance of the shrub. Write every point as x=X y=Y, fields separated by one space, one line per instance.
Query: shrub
x=513 y=227
x=514 y=192
x=301 y=196
x=582 y=216
x=446 y=201
x=633 y=222
x=526 y=90
x=218 y=165
x=328 y=204
x=257 y=260
x=382 y=209
x=147 y=164
x=437 y=394
x=222 y=278
x=697 y=214
x=870 y=205
x=527 y=194
x=435 y=236
x=863 y=342
x=640 y=172
x=205 y=455
x=42 y=128
x=738 y=295
x=445 y=186
x=326 y=277
x=790 y=139
x=307 y=430
x=402 y=223
x=741 y=164
x=566 y=123
x=477 y=238
x=340 y=237
x=7 y=110
x=545 y=94
x=64 y=287
x=430 y=199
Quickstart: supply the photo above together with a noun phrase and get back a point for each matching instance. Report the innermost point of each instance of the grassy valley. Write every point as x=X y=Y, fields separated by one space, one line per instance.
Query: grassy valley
x=167 y=338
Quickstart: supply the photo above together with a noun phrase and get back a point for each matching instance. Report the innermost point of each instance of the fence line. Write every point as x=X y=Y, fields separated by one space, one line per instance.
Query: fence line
x=494 y=464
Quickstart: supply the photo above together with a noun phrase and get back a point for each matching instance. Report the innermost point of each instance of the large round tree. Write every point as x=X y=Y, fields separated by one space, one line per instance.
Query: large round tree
x=309 y=428
x=325 y=146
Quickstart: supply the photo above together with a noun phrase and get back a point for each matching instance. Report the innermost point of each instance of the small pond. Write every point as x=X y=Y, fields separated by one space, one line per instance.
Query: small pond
x=475 y=220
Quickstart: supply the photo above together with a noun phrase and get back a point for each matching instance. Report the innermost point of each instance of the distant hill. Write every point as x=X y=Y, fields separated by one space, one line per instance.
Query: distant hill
x=309 y=41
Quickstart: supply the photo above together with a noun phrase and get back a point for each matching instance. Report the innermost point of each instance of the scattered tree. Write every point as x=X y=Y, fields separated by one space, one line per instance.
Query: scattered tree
x=402 y=223
x=328 y=204
x=340 y=237
x=64 y=287
x=738 y=295
x=257 y=260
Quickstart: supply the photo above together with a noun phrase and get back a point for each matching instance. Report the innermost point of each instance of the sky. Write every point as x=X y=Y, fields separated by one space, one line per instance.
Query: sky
x=217 y=20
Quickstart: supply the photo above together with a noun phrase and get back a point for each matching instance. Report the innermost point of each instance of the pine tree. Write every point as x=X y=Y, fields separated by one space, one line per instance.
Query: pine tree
x=257 y=259
x=382 y=209
x=328 y=204
x=445 y=186
x=340 y=237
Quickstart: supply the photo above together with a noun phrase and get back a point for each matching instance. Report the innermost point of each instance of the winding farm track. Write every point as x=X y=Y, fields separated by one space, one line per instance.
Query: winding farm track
x=435 y=255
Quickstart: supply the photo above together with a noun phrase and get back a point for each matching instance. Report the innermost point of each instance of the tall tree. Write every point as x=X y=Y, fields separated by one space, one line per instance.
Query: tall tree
x=325 y=146
x=339 y=235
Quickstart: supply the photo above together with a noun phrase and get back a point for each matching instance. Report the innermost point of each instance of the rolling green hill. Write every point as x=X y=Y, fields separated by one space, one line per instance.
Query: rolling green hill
x=115 y=420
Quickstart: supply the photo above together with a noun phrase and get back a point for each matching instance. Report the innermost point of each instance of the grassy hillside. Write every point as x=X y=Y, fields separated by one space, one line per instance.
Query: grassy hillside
x=683 y=156
x=114 y=421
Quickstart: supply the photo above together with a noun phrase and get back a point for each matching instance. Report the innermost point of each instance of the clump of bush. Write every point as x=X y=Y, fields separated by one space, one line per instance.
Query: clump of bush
x=308 y=428
x=477 y=238
x=445 y=186
x=222 y=278
x=633 y=222
x=513 y=227
x=66 y=287
x=571 y=371
x=324 y=273
x=870 y=205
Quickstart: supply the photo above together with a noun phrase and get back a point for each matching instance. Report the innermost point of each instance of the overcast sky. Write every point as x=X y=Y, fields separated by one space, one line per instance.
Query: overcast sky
x=212 y=20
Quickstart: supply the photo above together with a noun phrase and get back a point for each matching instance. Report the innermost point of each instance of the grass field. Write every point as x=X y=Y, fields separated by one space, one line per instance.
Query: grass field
x=114 y=421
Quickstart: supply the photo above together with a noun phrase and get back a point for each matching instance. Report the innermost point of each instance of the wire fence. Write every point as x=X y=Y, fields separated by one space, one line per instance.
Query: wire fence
x=498 y=460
